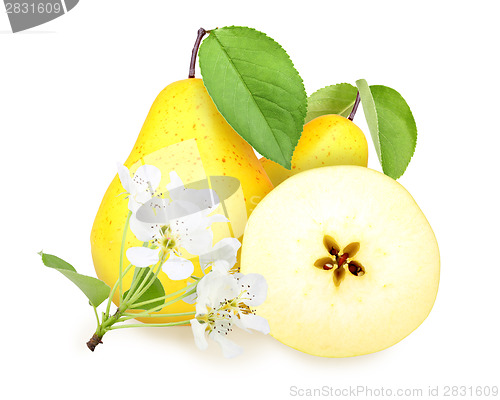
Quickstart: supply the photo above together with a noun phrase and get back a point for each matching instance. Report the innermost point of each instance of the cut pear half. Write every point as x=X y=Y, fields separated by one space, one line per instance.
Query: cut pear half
x=351 y=261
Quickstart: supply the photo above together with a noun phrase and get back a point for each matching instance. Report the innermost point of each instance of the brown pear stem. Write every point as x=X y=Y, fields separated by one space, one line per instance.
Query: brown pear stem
x=354 y=107
x=192 y=65
x=94 y=341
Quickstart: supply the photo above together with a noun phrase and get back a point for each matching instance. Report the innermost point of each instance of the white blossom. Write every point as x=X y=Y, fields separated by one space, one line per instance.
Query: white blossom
x=172 y=224
x=142 y=186
x=224 y=301
x=222 y=256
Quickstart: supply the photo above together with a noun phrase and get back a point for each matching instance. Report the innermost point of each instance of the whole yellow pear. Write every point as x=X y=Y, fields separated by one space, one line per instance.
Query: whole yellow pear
x=326 y=140
x=185 y=133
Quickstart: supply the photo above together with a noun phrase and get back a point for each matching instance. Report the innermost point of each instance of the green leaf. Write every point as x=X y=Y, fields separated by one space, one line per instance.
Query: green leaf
x=255 y=86
x=154 y=291
x=391 y=125
x=370 y=112
x=334 y=99
x=95 y=290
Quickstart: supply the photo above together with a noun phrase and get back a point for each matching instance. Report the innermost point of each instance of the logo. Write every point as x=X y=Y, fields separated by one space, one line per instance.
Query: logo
x=26 y=14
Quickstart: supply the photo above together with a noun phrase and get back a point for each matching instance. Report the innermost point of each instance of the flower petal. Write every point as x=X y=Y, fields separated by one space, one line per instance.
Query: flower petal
x=198 y=242
x=255 y=286
x=143 y=231
x=221 y=266
x=178 y=268
x=214 y=288
x=175 y=181
x=225 y=250
x=124 y=175
x=199 y=334
x=146 y=176
x=153 y=211
x=229 y=348
x=142 y=256
x=255 y=322
x=137 y=199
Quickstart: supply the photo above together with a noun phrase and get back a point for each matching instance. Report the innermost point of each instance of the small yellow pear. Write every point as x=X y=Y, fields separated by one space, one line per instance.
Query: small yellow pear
x=326 y=140
x=185 y=133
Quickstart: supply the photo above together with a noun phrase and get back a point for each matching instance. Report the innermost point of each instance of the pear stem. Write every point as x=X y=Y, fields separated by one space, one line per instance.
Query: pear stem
x=93 y=342
x=192 y=65
x=354 y=107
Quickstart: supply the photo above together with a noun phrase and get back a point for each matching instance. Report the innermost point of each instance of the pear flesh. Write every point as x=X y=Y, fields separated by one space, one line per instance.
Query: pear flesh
x=351 y=261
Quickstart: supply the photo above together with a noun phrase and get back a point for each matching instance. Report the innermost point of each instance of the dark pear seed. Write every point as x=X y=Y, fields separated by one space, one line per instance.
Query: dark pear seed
x=325 y=263
x=356 y=268
x=331 y=245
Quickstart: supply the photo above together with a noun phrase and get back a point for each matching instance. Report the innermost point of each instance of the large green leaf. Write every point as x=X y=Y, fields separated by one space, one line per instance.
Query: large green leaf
x=154 y=291
x=95 y=290
x=391 y=125
x=255 y=86
x=334 y=99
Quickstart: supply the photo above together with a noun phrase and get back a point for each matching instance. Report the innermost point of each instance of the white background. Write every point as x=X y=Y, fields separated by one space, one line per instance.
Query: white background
x=73 y=96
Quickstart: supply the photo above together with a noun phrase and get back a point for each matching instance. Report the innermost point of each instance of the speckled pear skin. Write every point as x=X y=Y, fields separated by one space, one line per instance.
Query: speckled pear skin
x=184 y=132
x=326 y=140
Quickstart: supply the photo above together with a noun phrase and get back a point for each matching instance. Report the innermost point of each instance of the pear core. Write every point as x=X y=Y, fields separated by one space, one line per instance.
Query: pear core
x=349 y=272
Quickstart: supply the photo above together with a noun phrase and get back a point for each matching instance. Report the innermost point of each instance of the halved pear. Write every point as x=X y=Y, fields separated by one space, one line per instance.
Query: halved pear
x=351 y=261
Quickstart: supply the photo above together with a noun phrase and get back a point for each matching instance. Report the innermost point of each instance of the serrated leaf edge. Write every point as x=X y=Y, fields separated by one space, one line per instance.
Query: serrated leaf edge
x=293 y=145
x=328 y=86
x=416 y=129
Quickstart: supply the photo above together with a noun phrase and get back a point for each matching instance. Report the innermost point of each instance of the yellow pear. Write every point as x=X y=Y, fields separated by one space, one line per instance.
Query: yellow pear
x=185 y=133
x=326 y=140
